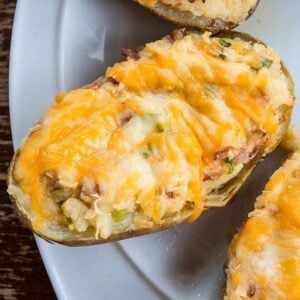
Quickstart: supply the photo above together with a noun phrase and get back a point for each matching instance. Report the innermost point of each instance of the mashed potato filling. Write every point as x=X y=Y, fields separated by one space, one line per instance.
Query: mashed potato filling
x=163 y=130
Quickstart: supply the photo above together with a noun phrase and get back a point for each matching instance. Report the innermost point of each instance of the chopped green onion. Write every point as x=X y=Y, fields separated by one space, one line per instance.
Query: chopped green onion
x=210 y=90
x=60 y=203
x=69 y=220
x=160 y=127
x=148 y=152
x=229 y=165
x=57 y=194
x=188 y=206
x=118 y=215
x=224 y=43
x=223 y=56
x=138 y=208
x=145 y=154
x=266 y=62
x=254 y=68
x=148 y=116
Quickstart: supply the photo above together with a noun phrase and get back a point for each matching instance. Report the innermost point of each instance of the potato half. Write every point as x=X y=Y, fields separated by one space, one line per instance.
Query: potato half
x=264 y=257
x=172 y=131
x=212 y=15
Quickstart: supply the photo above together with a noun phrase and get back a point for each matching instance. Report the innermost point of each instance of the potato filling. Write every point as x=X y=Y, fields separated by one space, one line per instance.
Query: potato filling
x=161 y=132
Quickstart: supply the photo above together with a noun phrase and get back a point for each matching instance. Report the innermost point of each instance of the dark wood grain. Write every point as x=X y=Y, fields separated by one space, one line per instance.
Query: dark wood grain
x=22 y=274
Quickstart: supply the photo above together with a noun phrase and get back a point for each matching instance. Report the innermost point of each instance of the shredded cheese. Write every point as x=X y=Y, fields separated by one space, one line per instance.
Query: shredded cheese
x=156 y=131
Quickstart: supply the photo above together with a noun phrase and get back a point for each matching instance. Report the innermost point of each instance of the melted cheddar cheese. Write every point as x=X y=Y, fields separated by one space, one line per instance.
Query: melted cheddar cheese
x=264 y=260
x=228 y=10
x=135 y=151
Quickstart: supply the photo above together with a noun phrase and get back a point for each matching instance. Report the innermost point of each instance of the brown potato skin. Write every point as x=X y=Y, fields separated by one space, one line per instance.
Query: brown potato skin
x=188 y=19
x=230 y=190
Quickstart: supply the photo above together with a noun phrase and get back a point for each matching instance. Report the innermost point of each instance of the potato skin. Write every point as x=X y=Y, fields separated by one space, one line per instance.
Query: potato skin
x=188 y=19
x=225 y=194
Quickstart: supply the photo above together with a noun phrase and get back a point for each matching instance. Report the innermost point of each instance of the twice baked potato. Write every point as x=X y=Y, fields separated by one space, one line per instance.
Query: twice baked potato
x=212 y=15
x=171 y=131
x=264 y=257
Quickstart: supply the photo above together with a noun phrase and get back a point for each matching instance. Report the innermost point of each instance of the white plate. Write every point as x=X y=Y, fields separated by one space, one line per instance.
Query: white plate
x=59 y=45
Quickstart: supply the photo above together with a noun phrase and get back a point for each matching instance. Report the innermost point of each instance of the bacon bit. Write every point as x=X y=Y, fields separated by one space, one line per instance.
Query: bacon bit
x=112 y=80
x=50 y=174
x=296 y=173
x=99 y=83
x=222 y=153
x=242 y=156
x=213 y=173
x=170 y=194
x=100 y=189
x=177 y=34
x=37 y=126
x=261 y=100
x=130 y=54
x=255 y=151
x=251 y=290
x=257 y=134
x=94 y=85
x=39 y=121
x=257 y=138
x=125 y=116
x=49 y=179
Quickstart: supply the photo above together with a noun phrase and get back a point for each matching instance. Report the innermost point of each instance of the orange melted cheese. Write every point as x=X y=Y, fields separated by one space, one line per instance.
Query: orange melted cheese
x=265 y=255
x=185 y=103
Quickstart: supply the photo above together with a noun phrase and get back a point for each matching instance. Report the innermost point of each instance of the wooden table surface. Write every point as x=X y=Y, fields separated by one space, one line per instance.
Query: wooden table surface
x=22 y=274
